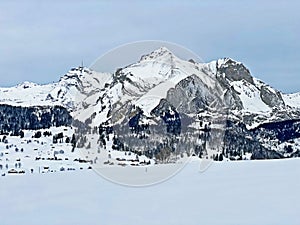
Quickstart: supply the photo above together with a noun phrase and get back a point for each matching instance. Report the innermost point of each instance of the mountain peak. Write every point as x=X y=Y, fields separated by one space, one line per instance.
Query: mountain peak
x=235 y=71
x=76 y=72
x=158 y=53
x=27 y=84
x=227 y=61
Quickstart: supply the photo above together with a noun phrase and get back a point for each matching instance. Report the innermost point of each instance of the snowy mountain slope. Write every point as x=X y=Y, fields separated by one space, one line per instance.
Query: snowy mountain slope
x=26 y=94
x=250 y=97
x=292 y=100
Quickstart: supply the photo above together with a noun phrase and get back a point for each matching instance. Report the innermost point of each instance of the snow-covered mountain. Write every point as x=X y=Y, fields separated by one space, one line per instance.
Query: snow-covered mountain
x=61 y=93
x=155 y=74
x=162 y=106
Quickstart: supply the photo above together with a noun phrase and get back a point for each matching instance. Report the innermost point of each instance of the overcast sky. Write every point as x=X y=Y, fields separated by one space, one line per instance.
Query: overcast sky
x=40 y=41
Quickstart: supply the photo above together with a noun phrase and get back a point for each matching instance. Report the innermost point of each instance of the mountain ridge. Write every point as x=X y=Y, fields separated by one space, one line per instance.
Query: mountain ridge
x=162 y=90
x=78 y=73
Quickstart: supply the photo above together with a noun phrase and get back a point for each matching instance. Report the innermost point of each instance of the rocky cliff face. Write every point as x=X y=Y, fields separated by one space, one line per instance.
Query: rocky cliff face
x=233 y=71
x=272 y=98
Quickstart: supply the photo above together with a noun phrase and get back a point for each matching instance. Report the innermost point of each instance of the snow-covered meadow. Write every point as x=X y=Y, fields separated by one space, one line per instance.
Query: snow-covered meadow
x=244 y=192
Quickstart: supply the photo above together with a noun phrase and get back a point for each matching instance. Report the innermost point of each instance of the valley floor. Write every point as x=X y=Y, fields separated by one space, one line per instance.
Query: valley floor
x=245 y=192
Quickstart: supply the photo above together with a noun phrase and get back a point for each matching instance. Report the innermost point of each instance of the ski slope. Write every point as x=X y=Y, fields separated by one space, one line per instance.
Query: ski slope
x=228 y=193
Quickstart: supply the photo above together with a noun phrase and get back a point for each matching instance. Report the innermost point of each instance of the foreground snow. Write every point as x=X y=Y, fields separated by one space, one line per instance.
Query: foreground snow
x=247 y=192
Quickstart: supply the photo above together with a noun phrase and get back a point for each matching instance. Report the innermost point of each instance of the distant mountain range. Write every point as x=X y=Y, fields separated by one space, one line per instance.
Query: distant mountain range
x=161 y=106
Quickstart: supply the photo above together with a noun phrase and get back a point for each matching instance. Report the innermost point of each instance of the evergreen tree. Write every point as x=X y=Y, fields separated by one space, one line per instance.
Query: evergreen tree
x=221 y=157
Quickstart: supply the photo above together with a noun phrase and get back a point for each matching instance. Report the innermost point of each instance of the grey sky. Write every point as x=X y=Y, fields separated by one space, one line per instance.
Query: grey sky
x=40 y=41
